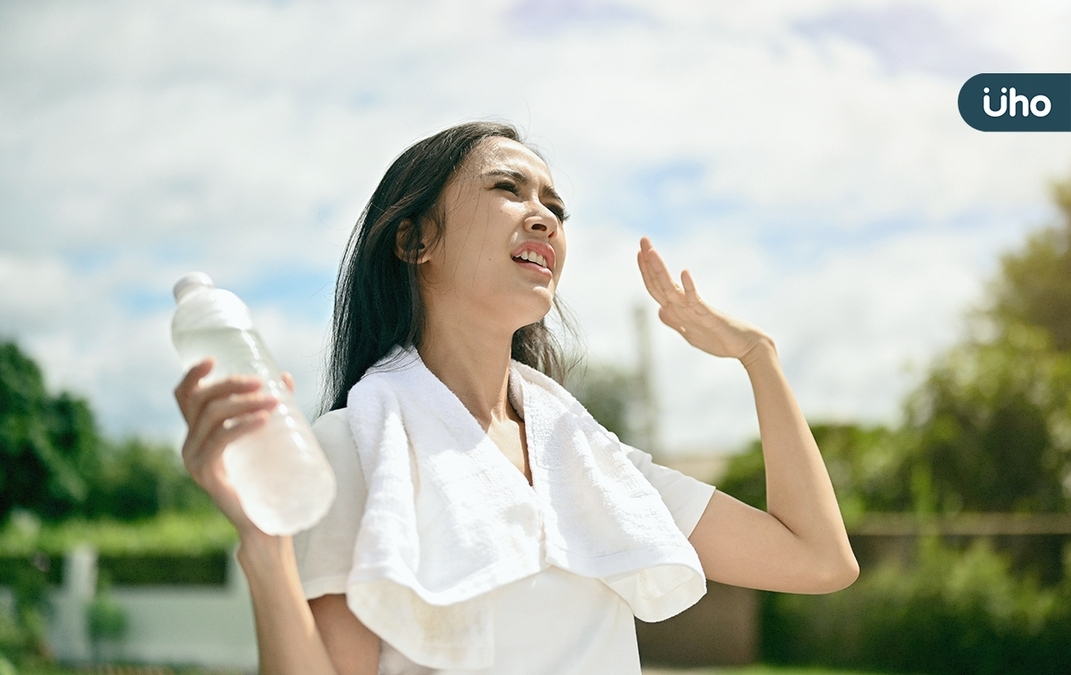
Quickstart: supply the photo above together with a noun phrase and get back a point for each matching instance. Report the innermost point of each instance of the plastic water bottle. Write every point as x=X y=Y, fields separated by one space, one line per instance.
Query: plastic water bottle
x=282 y=478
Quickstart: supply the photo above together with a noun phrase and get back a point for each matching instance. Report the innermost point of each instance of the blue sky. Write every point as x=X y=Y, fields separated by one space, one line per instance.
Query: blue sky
x=805 y=160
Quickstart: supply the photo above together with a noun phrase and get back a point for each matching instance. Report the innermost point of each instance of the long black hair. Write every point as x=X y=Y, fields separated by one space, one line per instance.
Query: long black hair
x=377 y=304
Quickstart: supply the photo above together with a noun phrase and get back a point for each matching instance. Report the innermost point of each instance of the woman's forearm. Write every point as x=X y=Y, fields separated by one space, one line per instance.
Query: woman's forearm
x=799 y=493
x=287 y=638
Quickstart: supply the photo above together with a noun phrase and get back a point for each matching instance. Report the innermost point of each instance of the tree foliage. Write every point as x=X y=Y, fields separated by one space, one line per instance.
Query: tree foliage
x=1034 y=286
x=47 y=445
x=54 y=462
x=989 y=428
x=137 y=480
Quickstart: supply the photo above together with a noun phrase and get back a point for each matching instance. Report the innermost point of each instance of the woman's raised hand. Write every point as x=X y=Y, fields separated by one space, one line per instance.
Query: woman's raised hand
x=681 y=308
x=217 y=414
x=799 y=545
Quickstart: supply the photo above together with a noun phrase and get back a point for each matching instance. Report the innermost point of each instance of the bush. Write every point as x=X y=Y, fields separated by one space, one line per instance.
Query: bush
x=23 y=624
x=12 y=638
x=137 y=480
x=952 y=613
x=107 y=624
x=165 y=534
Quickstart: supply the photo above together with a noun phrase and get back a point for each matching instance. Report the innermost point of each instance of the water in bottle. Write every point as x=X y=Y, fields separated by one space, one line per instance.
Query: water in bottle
x=279 y=471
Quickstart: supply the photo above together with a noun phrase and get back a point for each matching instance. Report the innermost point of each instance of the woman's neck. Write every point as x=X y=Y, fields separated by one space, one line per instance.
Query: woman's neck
x=473 y=362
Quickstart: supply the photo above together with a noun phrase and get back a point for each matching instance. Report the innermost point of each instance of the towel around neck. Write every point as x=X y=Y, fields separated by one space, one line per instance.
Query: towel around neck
x=449 y=519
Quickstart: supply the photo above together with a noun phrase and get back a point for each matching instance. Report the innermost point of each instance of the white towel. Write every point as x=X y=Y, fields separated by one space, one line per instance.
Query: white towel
x=449 y=519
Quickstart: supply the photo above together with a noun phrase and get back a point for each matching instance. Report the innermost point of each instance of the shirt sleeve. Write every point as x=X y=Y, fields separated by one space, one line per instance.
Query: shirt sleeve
x=686 y=497
x=325 y=551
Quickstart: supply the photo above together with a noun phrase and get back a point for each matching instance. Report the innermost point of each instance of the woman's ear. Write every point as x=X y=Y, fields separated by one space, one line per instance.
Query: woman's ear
x=404 y=246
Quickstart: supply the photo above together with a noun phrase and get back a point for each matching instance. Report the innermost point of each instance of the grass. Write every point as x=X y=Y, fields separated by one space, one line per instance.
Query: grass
x=163 y=670
x=123 y=670
x=754 y=670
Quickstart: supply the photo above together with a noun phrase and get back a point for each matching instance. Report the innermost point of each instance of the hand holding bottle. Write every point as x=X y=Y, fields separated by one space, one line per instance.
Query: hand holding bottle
x=216 y=414
x=247 y=440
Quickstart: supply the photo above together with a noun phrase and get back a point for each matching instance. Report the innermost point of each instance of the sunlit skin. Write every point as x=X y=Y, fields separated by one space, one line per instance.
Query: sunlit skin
x=500 y=202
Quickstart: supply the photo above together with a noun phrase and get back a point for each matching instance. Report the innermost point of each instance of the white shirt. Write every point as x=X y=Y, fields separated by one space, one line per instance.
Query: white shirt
x=553 y=622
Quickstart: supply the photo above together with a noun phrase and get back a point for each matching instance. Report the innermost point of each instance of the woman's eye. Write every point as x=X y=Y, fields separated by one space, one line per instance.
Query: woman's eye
x=559 y=211
x=509 y=187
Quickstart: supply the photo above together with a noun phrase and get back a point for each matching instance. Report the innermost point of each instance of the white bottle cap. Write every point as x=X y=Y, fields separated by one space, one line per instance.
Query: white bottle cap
x=190 y=282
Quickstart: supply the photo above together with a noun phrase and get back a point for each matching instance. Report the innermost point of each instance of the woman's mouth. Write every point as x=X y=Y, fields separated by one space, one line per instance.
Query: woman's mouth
x=532 y=257
x=535 y=254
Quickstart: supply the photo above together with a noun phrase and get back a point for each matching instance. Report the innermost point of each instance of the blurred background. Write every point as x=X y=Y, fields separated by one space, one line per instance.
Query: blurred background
x=806 y=162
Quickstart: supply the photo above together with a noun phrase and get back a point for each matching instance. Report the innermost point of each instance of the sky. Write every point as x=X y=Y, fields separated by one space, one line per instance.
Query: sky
x=806 y=161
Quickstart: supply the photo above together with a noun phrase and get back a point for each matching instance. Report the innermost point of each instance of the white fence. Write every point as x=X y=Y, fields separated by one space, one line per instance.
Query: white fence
x=187 y=625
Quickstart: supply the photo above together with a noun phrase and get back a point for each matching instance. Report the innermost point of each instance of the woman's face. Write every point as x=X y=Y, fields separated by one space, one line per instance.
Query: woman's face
x=502 y=246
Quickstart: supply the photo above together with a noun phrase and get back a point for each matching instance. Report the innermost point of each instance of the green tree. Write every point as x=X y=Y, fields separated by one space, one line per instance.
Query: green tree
x=1034 y=286
x=54 y=463
x=47 y=445
x=990 y=428
x=138 y=480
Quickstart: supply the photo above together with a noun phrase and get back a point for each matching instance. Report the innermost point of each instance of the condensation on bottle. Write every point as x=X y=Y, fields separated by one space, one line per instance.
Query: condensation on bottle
x=279 y=472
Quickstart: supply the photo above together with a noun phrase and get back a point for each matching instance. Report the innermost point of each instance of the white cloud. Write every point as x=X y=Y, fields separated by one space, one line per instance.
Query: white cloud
x=825 y=194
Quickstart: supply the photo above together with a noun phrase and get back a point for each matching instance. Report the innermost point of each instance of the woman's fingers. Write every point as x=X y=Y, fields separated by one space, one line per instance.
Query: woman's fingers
x=688 y=282
x=659 y=281
x=218 y=410
x=217 y=414
x=222 y=414
x=202 y=456
x=189 y=383
x=681 y=308
x=203 y=400
x=669 y=317
x=193 y=401
x=656 y=276
x=645 y=269
x=206 y=467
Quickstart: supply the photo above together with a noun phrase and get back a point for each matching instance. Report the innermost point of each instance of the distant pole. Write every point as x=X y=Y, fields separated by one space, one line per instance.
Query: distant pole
x=648 y=413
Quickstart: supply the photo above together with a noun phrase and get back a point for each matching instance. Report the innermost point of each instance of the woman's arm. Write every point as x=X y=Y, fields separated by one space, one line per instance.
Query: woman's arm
x=799 y=544
x=321 y=636
x=294 y=637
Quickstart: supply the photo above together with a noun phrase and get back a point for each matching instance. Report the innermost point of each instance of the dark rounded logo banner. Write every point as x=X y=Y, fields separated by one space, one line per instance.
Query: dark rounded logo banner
x=1017 y=102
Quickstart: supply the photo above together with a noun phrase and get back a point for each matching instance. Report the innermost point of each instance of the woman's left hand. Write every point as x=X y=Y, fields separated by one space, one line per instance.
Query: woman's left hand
x=681 y=308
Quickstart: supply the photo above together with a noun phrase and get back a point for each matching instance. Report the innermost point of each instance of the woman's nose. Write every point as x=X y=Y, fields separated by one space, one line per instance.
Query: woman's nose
x=542 y=219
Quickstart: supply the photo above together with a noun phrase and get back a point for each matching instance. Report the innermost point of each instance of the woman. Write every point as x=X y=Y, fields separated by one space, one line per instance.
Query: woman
x=484 y=522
